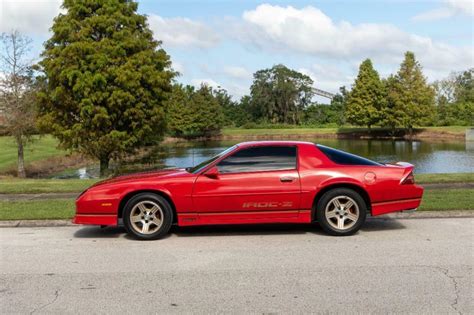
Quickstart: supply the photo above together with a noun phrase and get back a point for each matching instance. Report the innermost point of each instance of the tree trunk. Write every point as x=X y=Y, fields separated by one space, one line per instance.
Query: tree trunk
x=104 y=166
x=410 y=132
x=21 y=160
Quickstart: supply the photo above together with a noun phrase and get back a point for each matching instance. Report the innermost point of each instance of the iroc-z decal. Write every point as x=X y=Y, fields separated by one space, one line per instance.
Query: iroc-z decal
x=271 y=204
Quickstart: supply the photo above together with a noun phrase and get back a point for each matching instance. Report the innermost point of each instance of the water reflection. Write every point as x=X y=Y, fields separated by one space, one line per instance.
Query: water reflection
x=428 y=157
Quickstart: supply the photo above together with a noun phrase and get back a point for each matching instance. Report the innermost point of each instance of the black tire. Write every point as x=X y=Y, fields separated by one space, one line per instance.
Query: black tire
x=331 y=225
x=149 y=201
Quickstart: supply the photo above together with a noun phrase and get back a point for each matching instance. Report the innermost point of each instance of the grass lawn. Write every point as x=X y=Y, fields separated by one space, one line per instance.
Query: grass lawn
x=453 y=129
x=443 y=178
x=434 y=199
x=36 y=210
x=283 y=131
x=30 y=186
x=447 y=199
x=41 y=148
x=322 y=130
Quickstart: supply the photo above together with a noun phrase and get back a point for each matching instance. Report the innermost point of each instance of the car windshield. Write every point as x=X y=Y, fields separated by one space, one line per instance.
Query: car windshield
x=202 y=165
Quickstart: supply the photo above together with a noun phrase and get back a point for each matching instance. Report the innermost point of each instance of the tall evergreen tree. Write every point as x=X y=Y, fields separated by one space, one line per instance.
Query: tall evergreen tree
x=410 y=98
x=194 y=113
x=366 y=99
x=107 y=79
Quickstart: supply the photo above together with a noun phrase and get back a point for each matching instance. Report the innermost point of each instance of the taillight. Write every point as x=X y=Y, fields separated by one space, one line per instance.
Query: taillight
x=409 y=179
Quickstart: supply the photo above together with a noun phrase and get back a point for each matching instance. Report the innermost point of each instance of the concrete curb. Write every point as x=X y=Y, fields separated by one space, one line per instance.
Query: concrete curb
x=427 y=215
x=391 y=216
x=35 y=223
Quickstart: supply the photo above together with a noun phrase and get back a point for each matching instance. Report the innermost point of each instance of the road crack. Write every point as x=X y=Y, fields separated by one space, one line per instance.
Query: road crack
x=445 y=271
x=57 y=293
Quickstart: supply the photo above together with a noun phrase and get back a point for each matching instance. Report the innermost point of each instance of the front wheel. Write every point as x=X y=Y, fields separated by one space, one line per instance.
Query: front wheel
x=147 y=216
x=341 y=212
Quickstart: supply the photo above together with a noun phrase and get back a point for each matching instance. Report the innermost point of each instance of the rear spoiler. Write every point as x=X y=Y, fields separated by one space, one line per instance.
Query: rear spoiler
x=407 y=166
x=404 y=165
x=407 y=170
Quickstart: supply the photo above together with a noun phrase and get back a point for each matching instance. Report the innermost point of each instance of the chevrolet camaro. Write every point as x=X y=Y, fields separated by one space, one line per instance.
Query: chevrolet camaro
x=254 y=182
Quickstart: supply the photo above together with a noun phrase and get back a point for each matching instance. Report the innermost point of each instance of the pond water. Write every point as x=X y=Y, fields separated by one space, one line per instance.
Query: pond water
x=428 y=157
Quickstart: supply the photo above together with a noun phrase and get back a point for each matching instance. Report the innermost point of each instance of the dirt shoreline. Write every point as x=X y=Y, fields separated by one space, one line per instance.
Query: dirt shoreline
x=47 y=167
x=422 y=135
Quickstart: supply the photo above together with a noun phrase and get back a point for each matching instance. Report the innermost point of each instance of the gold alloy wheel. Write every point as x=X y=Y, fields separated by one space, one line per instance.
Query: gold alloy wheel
x=342 y=212
x=146 y=217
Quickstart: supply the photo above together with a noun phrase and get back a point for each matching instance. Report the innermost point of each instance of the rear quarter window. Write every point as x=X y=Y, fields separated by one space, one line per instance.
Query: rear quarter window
x=345 y=158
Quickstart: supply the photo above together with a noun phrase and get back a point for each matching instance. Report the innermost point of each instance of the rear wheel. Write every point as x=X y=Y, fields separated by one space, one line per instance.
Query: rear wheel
x=341 y=212
x=147 y=216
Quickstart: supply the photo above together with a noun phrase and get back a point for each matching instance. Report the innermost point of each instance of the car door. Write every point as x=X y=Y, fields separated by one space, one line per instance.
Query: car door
x=259 y=179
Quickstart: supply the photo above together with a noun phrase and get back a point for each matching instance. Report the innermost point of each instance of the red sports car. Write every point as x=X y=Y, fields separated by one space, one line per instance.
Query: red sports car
x=255 y=182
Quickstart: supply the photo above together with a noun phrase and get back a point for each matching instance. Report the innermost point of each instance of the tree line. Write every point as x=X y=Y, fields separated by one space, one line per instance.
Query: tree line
x=404 y=100
x=105 y=87
x=282 y=97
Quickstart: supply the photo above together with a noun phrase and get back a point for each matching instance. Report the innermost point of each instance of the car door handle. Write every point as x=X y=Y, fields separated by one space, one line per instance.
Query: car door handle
x=287 y=179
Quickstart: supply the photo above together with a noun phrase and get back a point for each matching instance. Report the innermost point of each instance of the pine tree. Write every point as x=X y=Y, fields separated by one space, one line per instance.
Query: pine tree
x=366 y=99
x=410 y=99
x=106 y=80
x=194 y=113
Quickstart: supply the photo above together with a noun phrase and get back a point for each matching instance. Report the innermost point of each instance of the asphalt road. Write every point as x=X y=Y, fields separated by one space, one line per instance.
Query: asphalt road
x=416 y=266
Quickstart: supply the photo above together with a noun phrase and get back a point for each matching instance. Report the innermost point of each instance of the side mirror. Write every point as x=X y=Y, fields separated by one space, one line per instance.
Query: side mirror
x=213 y=173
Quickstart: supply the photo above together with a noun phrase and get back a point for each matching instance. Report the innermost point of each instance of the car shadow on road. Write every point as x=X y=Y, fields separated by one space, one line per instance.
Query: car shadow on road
x=385 y=224
x=371 y=225
x=240 y=230
x=98 y=232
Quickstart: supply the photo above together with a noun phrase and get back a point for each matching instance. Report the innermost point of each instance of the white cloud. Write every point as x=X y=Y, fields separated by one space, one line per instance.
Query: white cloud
x=182 y=32
x=209 y=82
x=235 y=90
x=28 y=16
x=329 y=77
x=435 y=14
x=237 y=72
x=449 y=9
x=177 y=66
x=462 y=6
x=309 y=31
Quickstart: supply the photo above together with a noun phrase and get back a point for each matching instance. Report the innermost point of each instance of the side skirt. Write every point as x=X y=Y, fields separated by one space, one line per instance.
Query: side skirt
x=244 y=217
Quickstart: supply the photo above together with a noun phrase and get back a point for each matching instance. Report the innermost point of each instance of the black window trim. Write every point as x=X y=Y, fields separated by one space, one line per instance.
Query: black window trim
x=376 y=164
x=239 y=148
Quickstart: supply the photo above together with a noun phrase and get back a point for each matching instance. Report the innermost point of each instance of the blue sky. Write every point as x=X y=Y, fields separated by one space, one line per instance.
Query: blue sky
x=224 y=42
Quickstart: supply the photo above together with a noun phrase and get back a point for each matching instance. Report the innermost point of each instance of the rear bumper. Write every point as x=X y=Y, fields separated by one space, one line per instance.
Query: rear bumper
x=95 y=219
x=410 y=199
x=394 y=206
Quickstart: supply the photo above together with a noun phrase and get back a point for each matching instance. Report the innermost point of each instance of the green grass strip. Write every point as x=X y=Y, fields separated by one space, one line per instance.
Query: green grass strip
x=433 y=200
x=37 y=210
x=31 y=186
x=444 y=178
x=447 y=199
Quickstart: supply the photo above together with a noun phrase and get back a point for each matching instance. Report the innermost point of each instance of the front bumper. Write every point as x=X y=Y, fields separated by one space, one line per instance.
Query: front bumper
x=95 y=219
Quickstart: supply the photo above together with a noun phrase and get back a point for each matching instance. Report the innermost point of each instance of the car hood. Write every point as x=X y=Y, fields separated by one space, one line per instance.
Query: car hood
x=142 y=176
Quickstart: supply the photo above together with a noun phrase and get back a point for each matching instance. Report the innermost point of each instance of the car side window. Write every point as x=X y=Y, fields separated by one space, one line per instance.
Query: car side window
x=261 y=158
